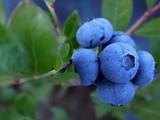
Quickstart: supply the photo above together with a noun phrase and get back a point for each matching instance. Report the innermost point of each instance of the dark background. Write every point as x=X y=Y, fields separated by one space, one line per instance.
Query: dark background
x=87 y=9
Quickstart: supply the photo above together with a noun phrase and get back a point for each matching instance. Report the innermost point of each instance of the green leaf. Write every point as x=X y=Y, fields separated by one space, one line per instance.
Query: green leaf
x=149 y=29
x=118 y=12
x=38 y=86
x=5 y=80
x=71 y=26
x=10 y=52
x=35 y=32
x=65 y=51
x=13 y=56
x=155 y=50
x=25 y=105
x=60 y=114
x=146 y=109
x=150 y=92
x=150 y=3
x=44 y=88
x=58 y=63
x=2 y=13
x=7 y=94
x=65 y=44
x=103 y=109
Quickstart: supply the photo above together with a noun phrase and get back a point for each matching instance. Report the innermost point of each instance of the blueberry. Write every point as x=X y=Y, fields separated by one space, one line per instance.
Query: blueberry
x=94 y=33
x=119 y=62
x=85 y=62
x=146 y=71
x=119 y=36
x=115 y=93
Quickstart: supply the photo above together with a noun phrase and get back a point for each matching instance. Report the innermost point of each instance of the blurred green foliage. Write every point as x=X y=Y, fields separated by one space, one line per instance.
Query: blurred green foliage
x=150 y=3
x=2 y=13
x=150 y=29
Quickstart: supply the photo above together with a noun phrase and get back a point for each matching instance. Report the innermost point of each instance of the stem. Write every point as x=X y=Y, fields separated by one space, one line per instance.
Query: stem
x=50 y=73
x=142 y=19
x=23 y=80
x=57 y=25
x=54 y=15
x=99 y=49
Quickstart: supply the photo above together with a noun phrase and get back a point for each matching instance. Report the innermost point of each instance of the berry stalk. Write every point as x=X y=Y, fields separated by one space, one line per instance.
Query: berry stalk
x=54 y=15
x=48 y=74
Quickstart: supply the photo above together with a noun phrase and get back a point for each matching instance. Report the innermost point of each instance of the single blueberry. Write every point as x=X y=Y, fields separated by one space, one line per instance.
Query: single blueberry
x=146 y=71
x=85 y=62
x=115 y=93
x=94 y=33
x=119 y=62
x=119 y=36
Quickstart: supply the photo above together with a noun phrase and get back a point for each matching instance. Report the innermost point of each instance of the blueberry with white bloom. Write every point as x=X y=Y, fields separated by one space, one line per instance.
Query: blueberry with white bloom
x=94 y=32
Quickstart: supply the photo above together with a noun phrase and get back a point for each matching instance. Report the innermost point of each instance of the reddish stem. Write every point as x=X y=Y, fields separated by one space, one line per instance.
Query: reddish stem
x=52 y=5
x=142 y=19
x=17 y=81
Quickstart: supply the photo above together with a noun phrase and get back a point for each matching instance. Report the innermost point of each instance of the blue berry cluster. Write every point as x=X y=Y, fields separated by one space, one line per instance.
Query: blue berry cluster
x=118 y=70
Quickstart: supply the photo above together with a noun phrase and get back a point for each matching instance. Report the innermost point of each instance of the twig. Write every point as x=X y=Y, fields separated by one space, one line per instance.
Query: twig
x=51 y=73
x=54 y=15
x=99 y=49
x=142 y=19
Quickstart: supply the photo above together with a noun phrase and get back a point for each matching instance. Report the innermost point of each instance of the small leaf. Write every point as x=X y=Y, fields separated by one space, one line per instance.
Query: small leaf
x=58 y=62
x=146 y=109
x=2 y=13
x=60 y=114
x=35 y=32
x=71 y=26
x=155 y=50
x=149 y=29
x=118 y=12
x=150 y=3
x=65 y=51
x=25 y=105
x=63 y=41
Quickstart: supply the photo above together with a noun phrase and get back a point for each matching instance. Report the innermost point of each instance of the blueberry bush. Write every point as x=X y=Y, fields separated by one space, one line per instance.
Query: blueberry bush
x=84 y=70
